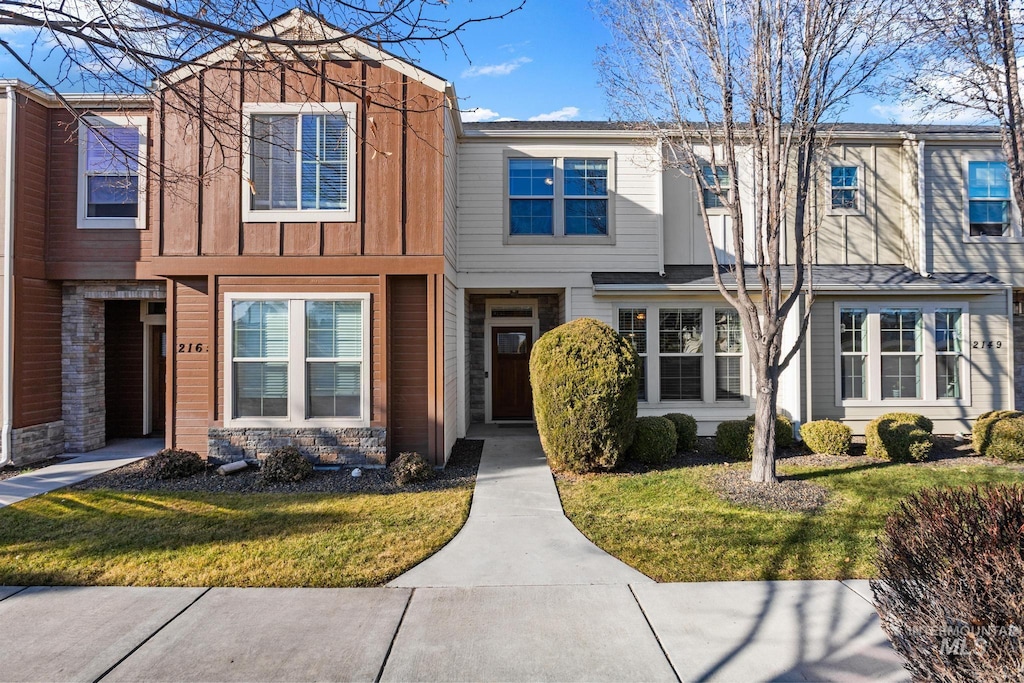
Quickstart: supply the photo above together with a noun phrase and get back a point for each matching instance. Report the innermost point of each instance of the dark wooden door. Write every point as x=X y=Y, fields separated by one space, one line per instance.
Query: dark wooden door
x=511 y=398
x=157 y=378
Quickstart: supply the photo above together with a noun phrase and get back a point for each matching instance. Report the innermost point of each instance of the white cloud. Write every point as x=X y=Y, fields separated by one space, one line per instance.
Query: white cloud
x=504 y=119
x=478 y=114
x=563 y=114
x=503 y=69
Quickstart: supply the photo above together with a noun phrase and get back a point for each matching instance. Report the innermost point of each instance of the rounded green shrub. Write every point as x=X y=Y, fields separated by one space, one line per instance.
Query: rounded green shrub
x=827 y=437
x=734 y=438
x=655 y=441
x=783 y=430
x=284 y=465
x=686 y=431
x=410 y=467
x=174 y=463
x=982 y=430
x=1006 y=440
x=900 y=437
x=584 y=380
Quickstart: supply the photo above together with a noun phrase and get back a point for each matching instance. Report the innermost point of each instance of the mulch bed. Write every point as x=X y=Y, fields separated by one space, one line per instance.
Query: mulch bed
x=792 y=495
x=9 y=472
x=460 y=471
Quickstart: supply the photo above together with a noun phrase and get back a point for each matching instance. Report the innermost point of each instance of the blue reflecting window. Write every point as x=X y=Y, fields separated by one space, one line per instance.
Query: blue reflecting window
x=712 y=199
x=531 y=191
x=988 y=198
x=558 y=196
x=844 y=187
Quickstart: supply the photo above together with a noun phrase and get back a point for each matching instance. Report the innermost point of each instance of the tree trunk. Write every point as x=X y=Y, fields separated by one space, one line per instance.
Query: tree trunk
x=766 y=402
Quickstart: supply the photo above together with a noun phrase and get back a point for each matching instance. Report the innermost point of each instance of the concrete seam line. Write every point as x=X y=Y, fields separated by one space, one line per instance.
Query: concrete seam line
x=394 y=637
x=654 y=633
x=151 y=635
x=857 y=593
x=23 y=588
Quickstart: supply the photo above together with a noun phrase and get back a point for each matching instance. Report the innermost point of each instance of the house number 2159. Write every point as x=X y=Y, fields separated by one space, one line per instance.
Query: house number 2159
x=986 y=345
x=190 y=348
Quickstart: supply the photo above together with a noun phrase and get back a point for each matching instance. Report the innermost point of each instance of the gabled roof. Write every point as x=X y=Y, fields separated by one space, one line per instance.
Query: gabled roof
x=328 y=42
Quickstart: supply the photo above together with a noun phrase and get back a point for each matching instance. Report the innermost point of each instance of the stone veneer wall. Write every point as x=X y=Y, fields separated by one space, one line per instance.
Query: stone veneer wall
x=363 y=446
x=83 y=368
x=38 y=442
x=549 y=314
x=1018 y=360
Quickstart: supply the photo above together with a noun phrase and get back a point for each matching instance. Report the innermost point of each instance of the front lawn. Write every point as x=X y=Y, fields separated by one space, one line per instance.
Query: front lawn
x=672 y=526
x=106 y=537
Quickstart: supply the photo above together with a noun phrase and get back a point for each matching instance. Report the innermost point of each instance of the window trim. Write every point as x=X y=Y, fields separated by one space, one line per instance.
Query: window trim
x=708 y=369
x=873 y=371
x=297 y=359
x=250 y=215
x=1014 y=234
x=558 y=155
x=730 y=190
x=140 y=122
x=858 y=208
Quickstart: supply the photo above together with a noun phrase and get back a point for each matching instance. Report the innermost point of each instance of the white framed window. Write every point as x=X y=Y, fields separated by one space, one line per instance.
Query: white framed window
x=845 y=189
x=299 y=162
x=565 y=196
x=711 y=181
x=695 y=354
x=111 y=172
x=297 y=360
x=990 y=214
x=902 y=353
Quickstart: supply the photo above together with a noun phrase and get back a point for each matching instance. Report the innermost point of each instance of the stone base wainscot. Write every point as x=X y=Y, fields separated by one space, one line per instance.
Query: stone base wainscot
x=356 y=446
x=38 y=442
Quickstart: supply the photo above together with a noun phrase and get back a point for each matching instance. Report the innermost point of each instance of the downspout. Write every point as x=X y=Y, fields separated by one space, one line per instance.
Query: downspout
x=7 y=343
x=922 y=234
x=660 y=193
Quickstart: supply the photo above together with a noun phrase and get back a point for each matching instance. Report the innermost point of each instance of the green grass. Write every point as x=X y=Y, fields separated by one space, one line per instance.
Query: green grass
x=671 y=526
x=105 y=537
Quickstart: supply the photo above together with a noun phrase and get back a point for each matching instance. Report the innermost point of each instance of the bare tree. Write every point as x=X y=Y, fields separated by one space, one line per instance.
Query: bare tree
x=748 y=89
x=968 y=59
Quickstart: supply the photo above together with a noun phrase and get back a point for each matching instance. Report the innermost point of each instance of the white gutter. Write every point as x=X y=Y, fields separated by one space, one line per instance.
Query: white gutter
x=879 y=289
x=6 y=344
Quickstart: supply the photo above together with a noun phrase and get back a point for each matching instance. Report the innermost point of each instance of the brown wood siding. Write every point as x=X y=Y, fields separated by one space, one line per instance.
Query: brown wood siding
x=37 y=352
x=336 y=284
x=190 y=374
x=398 y=165
x=123 y=340
x=31 y=185
x=65 y=242
x=409 y=383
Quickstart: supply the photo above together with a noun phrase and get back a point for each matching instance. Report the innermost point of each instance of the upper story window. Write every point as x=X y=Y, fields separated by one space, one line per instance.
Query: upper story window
x=988 y=199
x=299 y=162
x=559 y=197
x=712 y=199
x=845 y=188
x=111 y=176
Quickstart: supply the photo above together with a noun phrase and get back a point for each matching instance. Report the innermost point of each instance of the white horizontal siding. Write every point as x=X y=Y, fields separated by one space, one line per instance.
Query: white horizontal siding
x=451 y=367
x=451 y=190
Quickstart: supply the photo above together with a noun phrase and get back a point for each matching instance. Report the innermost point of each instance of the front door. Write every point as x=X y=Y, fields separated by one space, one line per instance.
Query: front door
x=157 y=378
x=511 y=398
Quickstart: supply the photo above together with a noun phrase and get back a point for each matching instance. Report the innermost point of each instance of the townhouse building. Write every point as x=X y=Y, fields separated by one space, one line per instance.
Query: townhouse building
x=364 y=274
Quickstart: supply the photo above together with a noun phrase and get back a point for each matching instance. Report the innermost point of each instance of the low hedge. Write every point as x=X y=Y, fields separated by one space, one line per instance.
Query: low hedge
x=783 y=430
x=655 y=440
x=734 y=439
x=1006 y=440
x=410 y=467
x=175 y=463
x=686 y=431
x=827 y=437
x=284 y=465
x=899 y=437
x=982 y=430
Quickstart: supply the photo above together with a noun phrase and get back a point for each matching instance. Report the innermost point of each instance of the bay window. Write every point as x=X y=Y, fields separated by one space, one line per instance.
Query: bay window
x=298 y=361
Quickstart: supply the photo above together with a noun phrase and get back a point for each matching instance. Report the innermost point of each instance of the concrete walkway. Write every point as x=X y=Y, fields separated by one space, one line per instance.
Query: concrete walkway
x=76 y=468
x=517 y=595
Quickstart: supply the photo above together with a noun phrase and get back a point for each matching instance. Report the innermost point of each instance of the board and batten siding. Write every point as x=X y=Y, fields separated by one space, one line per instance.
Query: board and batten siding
x=989 y=368
x=482 y=221
x=944 y=210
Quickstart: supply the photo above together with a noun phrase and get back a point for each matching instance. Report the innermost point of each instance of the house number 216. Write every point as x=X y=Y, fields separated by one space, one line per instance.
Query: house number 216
x=190 y=348
x=987 y=345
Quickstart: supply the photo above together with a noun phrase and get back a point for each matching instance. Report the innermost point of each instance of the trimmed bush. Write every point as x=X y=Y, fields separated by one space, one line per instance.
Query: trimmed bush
x=410 y=467
x=982 y=430
x=827 y=436
x=950 y=587
x=734 y=439
x=899 y=437
x=655 y=441
x=1006 y=440
x=584 y=380
x=284 y=465
x=783 y=430
x=173 y=463
x=686 y=431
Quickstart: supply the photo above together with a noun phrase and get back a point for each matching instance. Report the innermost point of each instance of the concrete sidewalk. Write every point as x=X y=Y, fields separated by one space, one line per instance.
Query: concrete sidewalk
x=76 y=468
